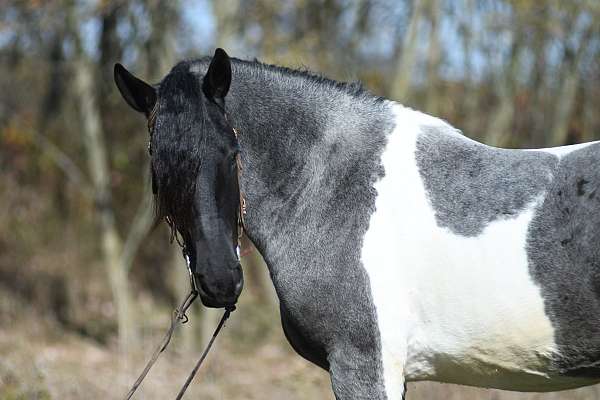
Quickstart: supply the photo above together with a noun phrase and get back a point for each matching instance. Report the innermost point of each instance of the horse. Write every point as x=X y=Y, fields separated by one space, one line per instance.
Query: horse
x=400 y=250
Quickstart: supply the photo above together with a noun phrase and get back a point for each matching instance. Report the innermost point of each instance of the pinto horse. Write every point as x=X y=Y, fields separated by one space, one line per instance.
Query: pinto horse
x=400 y=250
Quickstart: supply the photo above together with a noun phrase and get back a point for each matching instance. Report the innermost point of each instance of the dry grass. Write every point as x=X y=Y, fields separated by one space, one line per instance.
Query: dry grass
x=250 y=360
x=37 y=362
x=40 y=361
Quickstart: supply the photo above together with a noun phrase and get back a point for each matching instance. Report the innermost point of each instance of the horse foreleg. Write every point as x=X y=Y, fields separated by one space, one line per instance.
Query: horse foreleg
x=353 y=376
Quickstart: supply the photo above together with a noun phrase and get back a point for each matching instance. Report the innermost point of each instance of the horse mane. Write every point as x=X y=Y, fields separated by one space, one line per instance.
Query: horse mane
x=287 y=76
x=354 y=89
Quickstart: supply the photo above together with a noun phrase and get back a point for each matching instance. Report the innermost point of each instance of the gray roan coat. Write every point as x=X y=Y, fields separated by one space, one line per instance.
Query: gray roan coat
x=399 y=249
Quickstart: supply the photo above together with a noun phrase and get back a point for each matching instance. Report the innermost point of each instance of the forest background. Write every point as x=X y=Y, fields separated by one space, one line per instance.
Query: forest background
x=87 y=284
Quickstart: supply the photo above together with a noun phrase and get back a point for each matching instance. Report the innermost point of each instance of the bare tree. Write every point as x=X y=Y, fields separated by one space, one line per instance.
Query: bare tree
x=434 y=58
x=117 y=253
x=470 y=95
x=499 y=128
x=407 y=56
x=98 y=168
x=225 y=15
x=569 y=83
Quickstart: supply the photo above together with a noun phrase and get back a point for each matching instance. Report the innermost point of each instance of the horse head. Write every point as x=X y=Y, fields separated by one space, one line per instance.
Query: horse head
x=194 y=154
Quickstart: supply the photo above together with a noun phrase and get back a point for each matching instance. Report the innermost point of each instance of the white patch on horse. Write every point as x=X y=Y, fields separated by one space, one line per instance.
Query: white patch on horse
x=449 y=307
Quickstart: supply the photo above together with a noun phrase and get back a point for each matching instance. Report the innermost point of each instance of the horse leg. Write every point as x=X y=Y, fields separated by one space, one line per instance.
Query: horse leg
x=353 y=376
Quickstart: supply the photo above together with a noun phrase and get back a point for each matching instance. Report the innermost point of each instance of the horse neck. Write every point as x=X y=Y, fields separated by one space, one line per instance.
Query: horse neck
x=306 y=145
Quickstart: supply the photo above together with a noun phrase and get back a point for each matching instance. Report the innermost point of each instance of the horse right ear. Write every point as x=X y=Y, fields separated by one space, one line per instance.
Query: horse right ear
x=218 y=77
x=137 y=93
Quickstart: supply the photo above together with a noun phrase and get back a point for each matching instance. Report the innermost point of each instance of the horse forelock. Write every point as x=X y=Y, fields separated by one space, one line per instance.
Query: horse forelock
x=178 y=145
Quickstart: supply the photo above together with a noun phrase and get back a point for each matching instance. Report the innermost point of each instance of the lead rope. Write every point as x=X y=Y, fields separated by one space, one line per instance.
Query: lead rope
x=179 y=314
x=204 y=354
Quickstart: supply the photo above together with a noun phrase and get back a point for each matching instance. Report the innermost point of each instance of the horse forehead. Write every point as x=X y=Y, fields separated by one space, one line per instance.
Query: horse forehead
x=180 y=85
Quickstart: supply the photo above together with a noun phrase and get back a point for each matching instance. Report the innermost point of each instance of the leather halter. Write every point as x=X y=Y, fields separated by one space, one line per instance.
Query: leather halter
x=241 y=223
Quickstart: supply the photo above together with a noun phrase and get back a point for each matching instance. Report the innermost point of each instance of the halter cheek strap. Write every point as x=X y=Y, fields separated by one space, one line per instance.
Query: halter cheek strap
x=151 y=122
x=241 y=223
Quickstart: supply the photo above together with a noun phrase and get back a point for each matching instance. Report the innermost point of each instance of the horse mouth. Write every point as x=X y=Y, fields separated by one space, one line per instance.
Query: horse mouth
x=211 y=302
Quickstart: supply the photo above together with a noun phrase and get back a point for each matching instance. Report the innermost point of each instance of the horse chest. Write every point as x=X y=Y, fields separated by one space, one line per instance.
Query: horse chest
x=303 y=343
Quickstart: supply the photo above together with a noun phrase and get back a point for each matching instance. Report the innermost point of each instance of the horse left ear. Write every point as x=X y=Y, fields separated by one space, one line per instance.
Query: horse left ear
x=218 y=77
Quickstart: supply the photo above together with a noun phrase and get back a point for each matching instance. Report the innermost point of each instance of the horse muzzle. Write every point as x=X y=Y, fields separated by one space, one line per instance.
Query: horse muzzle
x=221 y=292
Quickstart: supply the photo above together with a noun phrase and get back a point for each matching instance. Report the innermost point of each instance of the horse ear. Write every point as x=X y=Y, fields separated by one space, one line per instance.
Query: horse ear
x=137 y=93
x=218 y=77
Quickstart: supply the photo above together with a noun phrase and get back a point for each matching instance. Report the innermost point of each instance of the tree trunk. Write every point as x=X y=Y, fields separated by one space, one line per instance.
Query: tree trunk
x=99 y=171
x=498 y=131
x=161 y=44
x=589 y=117
x=568 y=90
x=408 y=57
x=564 y=106
x=225 y=12
x=110 y=53
x=472 y=118
x=538 y=86
x=434 y=59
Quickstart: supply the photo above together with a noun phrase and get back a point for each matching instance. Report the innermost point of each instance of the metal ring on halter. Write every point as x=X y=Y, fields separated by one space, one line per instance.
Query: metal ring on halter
x=190 y=273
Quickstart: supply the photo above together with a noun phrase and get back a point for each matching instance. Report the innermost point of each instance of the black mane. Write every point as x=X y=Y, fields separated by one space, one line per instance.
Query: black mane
x=177 y=148
x=283 y=74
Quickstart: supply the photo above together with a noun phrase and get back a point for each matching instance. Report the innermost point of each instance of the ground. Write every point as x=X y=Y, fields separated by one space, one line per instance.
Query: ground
x=41 y=360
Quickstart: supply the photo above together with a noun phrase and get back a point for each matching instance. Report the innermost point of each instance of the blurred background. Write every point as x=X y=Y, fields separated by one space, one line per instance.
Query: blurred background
x=87 y=284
